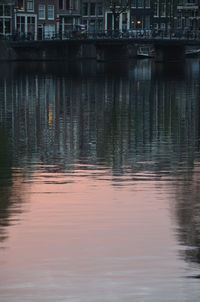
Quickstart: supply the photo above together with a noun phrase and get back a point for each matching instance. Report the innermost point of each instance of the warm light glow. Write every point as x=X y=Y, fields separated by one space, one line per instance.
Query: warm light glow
x=50 y=120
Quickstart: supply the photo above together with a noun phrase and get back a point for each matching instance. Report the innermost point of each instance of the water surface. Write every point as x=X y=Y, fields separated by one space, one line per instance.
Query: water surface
x=99 y=180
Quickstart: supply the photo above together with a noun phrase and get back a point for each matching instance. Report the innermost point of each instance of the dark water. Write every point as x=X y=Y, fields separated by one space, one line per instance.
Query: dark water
x=100 y=182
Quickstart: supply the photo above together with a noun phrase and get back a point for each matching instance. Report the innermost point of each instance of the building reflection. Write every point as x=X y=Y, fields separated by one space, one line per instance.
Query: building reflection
x=187 y=209
x=118 y=120
x=5 y=182
x=11 y=186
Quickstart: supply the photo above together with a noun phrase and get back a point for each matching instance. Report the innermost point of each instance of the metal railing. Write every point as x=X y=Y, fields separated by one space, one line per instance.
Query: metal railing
x=93 y=35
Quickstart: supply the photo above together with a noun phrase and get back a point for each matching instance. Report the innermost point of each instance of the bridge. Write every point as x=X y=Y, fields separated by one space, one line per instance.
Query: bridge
x=104 y=46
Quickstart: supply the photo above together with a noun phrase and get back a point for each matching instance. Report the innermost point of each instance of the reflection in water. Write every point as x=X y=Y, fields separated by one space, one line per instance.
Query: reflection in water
x=137 y=130
x=188 y=215
x=5 y=181
x=116 y=120
x=11 y=187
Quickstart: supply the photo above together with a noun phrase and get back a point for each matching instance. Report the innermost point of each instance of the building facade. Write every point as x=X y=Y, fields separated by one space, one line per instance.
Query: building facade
x=141 y=14
x=68 y=15
x=25 y=19
x=188 y=15
x=46 y=16
x=93 y=15
x=39 y=19
x=120 y=23
x=35 y=19
x=164 y=16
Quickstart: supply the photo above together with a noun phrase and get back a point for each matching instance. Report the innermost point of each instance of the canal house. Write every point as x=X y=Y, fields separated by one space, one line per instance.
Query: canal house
x=68 y=16
x=164 y=15
x=141 y=15
x=92 y=13
x=35 y=19
x=188 y=17
x=117 y=15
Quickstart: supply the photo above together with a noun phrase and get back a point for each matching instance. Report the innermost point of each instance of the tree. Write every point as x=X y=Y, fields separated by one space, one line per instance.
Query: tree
x=117 y=7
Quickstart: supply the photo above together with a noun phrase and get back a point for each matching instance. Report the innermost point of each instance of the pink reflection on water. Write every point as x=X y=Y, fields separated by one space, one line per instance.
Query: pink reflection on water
x=83 y=238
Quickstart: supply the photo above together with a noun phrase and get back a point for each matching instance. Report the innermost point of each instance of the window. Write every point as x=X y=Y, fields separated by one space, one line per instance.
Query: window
x=76 y=4
x=20 y=24
x=20 y=4
x=163 y=10
x=156 y=9
x=99 y=9
x=156 y=26
x=30 y=5
x=139 y=23
x=133 y=22
x=1 y=26
x=7 y=10
x=85 y=9
x=7 y=27
x=92 y=25
x=31 y=24
x=61 y=5
x=41 y=11
x=133 y=3
x=5 y=23
x=68 y=4
x=147 y=22
x=147 y=3
x=140 y=3
x=92 y=9
x=50 y=12
x=162 y=26
x=99 y=24
x=124 y=21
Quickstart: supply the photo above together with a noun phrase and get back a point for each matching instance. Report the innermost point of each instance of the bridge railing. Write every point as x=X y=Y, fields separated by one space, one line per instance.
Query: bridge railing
x=109 y=34
x=144 y=34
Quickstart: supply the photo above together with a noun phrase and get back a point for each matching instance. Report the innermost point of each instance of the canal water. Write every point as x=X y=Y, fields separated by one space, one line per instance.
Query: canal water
x=100 y=182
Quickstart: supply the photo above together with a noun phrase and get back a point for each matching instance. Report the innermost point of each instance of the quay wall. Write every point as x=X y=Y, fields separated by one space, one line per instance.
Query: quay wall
x=60 y=50
x=7 y=53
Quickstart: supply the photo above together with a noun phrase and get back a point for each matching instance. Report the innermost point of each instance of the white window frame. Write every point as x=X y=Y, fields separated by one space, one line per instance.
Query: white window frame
x=30 y=9
x=50 y=8
x=39 y=11
x=156 y=9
